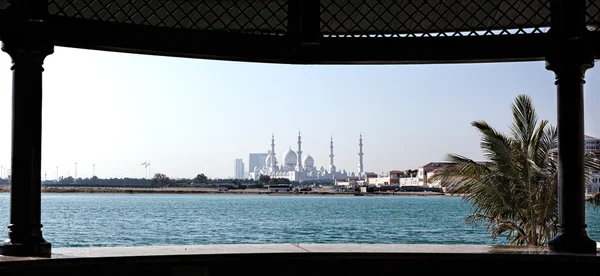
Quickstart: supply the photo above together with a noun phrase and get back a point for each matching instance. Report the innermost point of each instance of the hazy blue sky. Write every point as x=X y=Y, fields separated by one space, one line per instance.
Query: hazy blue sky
x=188 y=116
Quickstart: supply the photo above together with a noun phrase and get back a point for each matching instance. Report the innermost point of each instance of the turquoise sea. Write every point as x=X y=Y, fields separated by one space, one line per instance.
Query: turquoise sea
x=81 y=220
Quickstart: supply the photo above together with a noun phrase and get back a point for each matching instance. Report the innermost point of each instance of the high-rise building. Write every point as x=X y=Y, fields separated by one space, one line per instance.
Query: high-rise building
x=239 y=169
x=360 y=157
x=256 y=160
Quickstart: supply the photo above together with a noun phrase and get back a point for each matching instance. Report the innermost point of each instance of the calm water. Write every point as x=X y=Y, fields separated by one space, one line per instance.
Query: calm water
x=74 y=220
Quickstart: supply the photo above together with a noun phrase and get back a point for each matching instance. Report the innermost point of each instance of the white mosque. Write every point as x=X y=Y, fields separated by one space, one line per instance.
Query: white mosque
x=295 y=168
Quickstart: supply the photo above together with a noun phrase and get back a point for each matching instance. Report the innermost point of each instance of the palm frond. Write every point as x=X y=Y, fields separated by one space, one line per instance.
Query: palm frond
x=594 y=200
x=525 y=120
x=496 y=147
x=537 y=141
x=592 y=166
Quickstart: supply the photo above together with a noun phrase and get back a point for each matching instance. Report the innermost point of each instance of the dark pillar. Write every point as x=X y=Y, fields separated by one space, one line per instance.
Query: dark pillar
x=569 y=59
x=304 y=28
x=25 y=235
x=572 y=236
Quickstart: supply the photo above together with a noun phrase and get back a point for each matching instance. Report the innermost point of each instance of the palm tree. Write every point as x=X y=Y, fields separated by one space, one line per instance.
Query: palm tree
x=514 y=193
x=594 y=200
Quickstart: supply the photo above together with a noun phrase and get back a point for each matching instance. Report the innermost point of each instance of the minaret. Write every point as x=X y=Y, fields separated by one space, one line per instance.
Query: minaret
x=274 y=163
x=360 y=156
x=299 y=153
x=331 y=166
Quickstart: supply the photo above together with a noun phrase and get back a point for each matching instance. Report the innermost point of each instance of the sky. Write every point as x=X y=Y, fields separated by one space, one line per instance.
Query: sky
x=191 y=116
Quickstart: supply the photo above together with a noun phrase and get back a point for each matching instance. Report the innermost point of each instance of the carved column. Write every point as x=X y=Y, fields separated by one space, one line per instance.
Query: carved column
x=25 y=235
x=570 y=57
x=570 y=73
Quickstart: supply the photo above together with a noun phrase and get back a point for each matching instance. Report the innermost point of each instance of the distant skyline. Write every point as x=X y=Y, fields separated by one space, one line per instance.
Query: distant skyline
x=191 y=116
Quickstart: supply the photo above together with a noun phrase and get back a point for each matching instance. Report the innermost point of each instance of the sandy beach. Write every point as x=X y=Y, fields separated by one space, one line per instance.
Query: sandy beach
x=6 y=189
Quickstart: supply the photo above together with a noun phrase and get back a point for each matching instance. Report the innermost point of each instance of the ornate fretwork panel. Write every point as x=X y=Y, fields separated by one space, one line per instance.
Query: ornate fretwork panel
x=592 y=18
x=264 y=17
x=433 y=18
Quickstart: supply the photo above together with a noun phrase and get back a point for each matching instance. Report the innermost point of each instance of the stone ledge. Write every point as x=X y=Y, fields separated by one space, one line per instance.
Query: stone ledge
x=301 y=260
x=229 y=249
x=84 y=252
x=265 y=248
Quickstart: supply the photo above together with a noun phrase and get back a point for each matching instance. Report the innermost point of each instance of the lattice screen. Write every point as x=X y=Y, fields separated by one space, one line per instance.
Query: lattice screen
x=429 y=18
x=266 y=17
x=593 y=15
x=3 y=4
x=369 y=18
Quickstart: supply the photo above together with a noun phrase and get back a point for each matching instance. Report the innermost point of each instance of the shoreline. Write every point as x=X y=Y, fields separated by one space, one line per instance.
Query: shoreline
x=124 y=190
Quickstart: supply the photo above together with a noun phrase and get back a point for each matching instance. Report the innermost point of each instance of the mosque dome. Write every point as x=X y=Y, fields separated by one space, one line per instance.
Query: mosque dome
x=332 y=168
x=309 y=162
x=271 y=160
x=290 y=158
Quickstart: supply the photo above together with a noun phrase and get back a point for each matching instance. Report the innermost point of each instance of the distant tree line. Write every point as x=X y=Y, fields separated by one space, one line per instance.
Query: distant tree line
x=201 y=180
x=162 y=180
x=95 y=181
